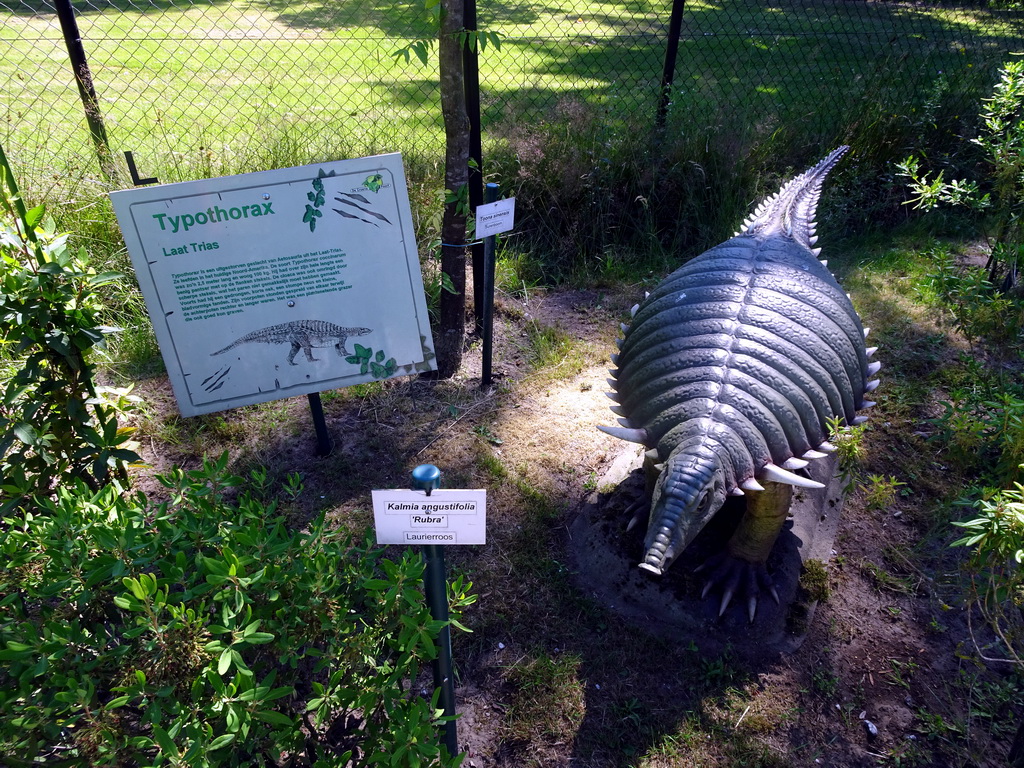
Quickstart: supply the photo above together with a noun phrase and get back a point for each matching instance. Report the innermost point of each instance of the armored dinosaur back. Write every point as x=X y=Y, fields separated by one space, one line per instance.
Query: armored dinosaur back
x=733 y=366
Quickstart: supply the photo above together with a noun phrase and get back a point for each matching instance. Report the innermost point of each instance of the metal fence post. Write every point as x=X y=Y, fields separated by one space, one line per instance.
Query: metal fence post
x=86 y=91
x=427 y=477
x=675 y=26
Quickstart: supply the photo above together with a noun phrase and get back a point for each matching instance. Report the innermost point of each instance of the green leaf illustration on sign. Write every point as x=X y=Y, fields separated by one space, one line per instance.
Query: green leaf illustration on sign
x=377 y=367
x=312 y=214
x=360 y=358
x=383 y=371
x=374 y=183
x=316 y=197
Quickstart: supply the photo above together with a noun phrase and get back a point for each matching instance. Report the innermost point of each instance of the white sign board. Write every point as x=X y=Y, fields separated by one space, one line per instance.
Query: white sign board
x=495 y=218
x=444 y=517
x=280 y=283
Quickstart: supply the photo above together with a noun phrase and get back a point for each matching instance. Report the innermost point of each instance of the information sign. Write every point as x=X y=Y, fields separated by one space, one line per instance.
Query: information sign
x=444 y=517
x=280 y=283
x=495 y=218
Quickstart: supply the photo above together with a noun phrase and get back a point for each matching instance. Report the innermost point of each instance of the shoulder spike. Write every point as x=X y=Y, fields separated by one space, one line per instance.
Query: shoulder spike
x=632 y=311
x=874 y=368
x=827 y=447
x=618 y=410
x=794 y=463
x=777 y=474
x=613 y=396
x=736 y=492
x=623 y=327
x=751 y=485
x=813 y=455
x=870 y=351
x=872 y=385
x=625 y=433
x=858 y=420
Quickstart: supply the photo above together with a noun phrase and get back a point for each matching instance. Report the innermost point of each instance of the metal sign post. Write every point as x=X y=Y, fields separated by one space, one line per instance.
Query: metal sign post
x=492 y=218
x=434 y=518
x=324 y=445
x=487 y=323
x=427 y=477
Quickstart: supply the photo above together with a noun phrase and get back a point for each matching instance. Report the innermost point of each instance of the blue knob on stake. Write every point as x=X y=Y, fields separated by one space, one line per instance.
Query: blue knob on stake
x=427 y=477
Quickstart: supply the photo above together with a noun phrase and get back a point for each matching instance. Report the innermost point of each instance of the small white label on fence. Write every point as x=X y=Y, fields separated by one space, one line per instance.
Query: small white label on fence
x=446 y=516
x=495 y=218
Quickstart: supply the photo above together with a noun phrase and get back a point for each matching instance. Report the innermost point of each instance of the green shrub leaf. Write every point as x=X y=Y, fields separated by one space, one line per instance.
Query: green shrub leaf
x=221 y=741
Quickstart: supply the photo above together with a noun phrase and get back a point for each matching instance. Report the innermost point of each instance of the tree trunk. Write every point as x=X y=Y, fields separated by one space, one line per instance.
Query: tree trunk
x=451 y=333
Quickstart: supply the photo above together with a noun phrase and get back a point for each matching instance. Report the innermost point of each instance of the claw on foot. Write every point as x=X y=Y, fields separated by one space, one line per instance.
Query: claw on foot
x=637 y=512
x=731 y=575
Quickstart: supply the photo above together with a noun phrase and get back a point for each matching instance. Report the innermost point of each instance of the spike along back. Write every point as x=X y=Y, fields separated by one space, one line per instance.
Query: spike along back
x=729 y=373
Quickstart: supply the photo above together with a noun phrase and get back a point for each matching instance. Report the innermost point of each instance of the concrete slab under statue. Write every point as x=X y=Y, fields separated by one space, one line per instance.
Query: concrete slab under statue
x=605 y=558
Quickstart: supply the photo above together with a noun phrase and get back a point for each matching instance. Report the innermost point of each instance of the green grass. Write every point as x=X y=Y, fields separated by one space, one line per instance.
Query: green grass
x=220 y=88
x=568 y=102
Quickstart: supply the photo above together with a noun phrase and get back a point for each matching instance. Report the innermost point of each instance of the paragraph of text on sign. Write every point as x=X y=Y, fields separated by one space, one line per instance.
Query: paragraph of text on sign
x=229 y=289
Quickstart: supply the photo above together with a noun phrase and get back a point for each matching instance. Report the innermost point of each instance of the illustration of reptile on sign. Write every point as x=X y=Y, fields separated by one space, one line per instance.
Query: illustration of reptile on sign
x=242 y=274
x=301 y=334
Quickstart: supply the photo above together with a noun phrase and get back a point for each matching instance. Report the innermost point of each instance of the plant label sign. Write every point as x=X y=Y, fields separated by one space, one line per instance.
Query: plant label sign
x=280 y=283
x=495 y=218
x=444 y=517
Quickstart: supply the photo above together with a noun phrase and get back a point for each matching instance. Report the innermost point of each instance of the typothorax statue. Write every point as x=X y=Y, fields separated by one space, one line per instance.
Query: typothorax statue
x=729 y=374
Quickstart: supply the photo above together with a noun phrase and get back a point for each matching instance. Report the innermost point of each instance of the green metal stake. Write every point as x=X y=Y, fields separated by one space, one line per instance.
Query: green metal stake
x=490 y=196
x=427 y=477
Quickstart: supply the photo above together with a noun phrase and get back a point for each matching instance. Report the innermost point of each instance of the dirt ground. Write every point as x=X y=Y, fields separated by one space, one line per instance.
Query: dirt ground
x=554 y=674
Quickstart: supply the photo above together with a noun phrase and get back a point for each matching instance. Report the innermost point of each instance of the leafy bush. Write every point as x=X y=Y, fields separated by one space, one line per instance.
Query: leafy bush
x=982 y=311
x=597 y=197
x=1001 y=140
x=55 y=422
x=198 y=632
x=997 y=536
x=984 y=432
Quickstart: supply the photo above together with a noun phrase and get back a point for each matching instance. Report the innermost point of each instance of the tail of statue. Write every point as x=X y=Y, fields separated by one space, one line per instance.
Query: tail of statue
x=790 y=211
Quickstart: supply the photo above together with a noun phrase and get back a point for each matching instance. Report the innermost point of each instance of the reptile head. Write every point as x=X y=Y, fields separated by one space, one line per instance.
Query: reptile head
x=688 y=492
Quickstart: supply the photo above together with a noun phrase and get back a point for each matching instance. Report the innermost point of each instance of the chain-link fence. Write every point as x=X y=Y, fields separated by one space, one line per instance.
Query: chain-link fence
x=196 y=88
